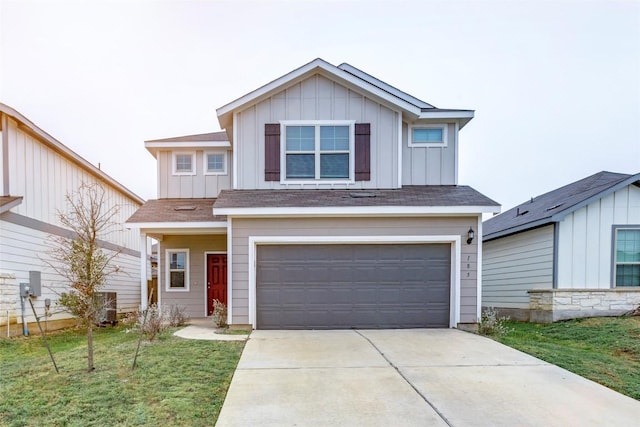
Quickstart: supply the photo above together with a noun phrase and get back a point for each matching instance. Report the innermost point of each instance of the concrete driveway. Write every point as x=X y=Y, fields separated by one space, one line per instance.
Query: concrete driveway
x=417 y=377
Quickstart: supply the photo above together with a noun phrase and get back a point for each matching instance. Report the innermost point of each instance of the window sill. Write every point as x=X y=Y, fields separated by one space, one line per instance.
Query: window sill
x=176 y=289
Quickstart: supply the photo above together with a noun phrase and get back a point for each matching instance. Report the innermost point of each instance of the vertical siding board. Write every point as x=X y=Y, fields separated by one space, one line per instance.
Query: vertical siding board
x=593 y=247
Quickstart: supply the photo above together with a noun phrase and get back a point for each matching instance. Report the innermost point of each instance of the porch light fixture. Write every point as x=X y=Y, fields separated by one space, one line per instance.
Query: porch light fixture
x=470 y=235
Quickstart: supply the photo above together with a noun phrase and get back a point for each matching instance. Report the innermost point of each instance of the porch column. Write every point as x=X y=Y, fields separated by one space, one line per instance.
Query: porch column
x=143 y=271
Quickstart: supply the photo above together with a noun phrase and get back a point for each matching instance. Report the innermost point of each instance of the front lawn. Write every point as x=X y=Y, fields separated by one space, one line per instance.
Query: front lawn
x=604 y=349
x=176 y=381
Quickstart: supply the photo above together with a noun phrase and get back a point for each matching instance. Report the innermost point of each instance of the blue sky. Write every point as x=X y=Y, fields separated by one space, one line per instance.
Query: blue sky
x=555 y=85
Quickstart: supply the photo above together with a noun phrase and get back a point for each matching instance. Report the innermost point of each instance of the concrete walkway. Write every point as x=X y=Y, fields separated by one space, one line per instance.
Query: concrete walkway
x=203 y=329
x=409 y=378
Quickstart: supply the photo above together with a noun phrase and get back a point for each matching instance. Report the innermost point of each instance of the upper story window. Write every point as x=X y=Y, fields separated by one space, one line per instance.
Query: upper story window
x=627 y=256
x=215 y=163
x=428 y=135
x=318 y=150
x=184 y=163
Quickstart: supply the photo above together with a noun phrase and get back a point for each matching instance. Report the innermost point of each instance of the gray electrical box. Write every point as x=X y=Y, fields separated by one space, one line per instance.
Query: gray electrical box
x=35 y=284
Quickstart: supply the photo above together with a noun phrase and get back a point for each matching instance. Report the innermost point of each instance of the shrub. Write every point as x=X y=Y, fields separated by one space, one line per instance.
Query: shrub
x=219 y=314
x=177 y=315
x=154 y=323
x=492 y=324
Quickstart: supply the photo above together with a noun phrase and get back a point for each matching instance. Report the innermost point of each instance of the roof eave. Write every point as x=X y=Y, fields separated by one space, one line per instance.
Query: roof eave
x=358 y=211
x=518 y=229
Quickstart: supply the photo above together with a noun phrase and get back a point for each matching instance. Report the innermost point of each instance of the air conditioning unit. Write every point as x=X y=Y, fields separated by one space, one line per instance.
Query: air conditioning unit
x=107 y=301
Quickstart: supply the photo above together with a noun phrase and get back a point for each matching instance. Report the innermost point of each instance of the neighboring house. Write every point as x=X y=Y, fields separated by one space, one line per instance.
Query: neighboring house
x=331 y=200
x=572 y=252
x=36 y=174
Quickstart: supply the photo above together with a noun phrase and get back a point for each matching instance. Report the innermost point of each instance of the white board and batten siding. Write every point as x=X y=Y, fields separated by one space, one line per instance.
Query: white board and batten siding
x=199 y=185
x=585 y=239
x=320 y=98
x=514 y=264
x=430 y=165
x=43 y=177
x=243 y=228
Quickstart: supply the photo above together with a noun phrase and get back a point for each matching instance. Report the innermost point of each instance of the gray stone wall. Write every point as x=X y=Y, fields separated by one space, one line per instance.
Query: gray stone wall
x=551 y=305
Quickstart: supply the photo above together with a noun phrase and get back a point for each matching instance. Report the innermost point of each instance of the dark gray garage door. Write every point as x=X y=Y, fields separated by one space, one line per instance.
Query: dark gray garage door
x=353 y=286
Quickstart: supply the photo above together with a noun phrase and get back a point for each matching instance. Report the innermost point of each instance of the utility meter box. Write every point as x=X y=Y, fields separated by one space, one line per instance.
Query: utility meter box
x=35 y=285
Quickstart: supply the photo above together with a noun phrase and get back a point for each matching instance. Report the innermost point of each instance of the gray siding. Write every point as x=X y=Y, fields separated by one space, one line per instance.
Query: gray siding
x=429 y=165
x=191 y=186
x=514 y=264
x=243 y=228
x=195 y=300
x=317 y=98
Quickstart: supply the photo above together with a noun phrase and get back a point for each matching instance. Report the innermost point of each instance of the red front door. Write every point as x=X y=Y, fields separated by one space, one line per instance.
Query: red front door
x=216 y=280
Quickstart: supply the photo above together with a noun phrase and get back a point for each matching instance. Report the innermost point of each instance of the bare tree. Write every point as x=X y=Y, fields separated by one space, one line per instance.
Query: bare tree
x=79 y=257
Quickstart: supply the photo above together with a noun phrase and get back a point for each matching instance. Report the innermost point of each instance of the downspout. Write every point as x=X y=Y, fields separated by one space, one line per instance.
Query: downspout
x=556 y=239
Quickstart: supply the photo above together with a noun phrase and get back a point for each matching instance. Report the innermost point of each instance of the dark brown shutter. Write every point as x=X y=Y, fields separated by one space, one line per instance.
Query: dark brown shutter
x=363 y=152
x=272 y=152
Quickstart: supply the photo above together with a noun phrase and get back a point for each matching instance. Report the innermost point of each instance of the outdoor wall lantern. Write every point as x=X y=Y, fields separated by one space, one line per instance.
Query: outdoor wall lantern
x=470 y=235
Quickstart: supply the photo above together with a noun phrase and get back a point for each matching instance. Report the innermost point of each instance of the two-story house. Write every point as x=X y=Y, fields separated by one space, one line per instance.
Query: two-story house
x=37 y=173
x=330 y=200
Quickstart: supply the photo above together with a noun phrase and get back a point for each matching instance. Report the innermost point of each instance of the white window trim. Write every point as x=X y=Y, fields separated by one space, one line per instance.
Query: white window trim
x=454 y=240
x=168 y=287
x=205 y=163
x=317 y=123
x=175 y=162
x=614 y=260
x=442 y=126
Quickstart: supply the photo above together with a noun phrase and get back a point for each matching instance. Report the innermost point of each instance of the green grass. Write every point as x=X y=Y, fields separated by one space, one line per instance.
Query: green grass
x=176 y=381
x=605 y=349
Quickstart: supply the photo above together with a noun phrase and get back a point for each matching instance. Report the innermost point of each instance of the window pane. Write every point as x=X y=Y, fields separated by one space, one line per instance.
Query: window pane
x=177 y=279
x=183 y=162
x=176 y=260
x=215 y=162
x=334 y=166
x=334 y=138
x=427 y=135
x=628 y=275
x=300 y=138
x=628 y=246
x=301 y=166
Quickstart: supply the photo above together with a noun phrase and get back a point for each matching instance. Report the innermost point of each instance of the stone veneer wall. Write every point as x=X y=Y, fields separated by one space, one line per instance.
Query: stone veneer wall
x=551 y=305
x=8 y=297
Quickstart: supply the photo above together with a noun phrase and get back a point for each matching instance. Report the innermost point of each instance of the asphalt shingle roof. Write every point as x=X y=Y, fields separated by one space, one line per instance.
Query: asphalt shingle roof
x=434 y=195
x=176 y=210
x=554 y=205
x=213 y=136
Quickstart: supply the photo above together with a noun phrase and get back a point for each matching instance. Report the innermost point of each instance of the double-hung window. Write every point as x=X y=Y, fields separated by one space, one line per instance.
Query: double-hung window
x=627 y=256
x=177 y=270
x=318 y=151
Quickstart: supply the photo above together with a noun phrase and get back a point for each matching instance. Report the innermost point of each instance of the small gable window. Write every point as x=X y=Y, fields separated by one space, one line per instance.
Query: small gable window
x=215 y=163
x=627 y=257
x=184 y=164
x=428 y=136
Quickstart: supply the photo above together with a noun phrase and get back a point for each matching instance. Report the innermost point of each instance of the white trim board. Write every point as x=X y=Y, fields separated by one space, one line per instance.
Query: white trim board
x=454 y=240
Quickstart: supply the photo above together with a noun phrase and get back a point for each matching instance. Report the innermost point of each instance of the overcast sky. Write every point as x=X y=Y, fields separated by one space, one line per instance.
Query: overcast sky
x=555 y=85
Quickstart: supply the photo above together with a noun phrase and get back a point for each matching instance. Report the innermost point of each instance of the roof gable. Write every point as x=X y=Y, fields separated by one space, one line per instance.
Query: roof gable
x=349 y=76
x=555 y=205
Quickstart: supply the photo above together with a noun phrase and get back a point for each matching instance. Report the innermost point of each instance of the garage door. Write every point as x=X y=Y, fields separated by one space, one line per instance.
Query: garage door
x=353 y=286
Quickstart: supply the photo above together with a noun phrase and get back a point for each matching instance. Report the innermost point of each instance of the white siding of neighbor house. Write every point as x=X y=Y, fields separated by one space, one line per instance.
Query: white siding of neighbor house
x=43 y=177
x=243 y=228
x=23 y=249
x=196 y=186
x=514 y=264
x=585 y=239
x=429 y=165
x=317 y=98
x=195 y=300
